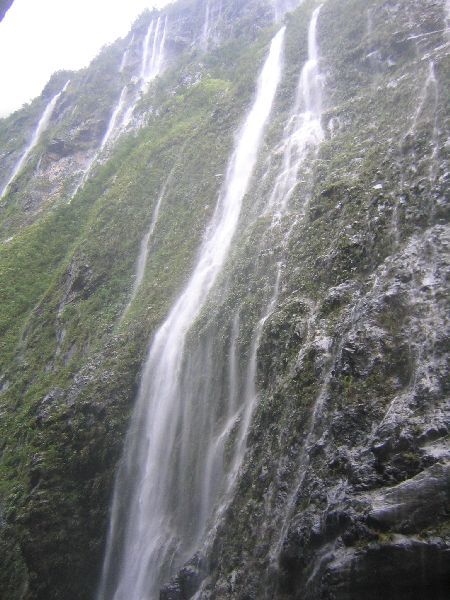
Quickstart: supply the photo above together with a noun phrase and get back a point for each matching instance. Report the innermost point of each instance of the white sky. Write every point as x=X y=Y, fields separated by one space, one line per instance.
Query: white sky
x=39 y=37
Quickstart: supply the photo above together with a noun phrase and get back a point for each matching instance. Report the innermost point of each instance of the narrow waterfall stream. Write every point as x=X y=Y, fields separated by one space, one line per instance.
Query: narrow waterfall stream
x=151 y=65
x=303 y=131
x=152 y=62
x=144 y=246
x=211 y=23
x=301 y=139
x=124 y=61
x=156 y=521
x=40 y=128
x=206 y=25
x=114 y=118
x=146 y=48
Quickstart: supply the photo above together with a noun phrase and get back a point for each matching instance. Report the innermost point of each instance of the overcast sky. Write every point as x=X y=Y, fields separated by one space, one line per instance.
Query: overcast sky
x=38 y=38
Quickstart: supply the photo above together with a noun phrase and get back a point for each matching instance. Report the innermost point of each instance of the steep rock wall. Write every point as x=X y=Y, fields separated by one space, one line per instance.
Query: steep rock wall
x=345 y=472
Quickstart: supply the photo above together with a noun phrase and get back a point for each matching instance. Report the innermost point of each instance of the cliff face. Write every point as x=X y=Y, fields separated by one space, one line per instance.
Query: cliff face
x=326 y=330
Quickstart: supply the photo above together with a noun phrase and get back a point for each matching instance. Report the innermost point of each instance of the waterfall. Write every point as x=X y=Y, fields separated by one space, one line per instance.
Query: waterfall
x=427 y=101
x=112 y=126
x=152 y=528
x=211 y=24
x=151 y=65
x=152 y=68
x=303 y=131
x=143 y=253
x=205 y=31
x=40 y=128
x=114 y=117
x=250 y=386
x=447 y=18
x=145 y=48
x=124 y=60
x=302 y=135
x=301 y=138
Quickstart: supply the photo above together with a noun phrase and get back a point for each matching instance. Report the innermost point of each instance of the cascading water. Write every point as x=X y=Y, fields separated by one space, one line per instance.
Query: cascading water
x=428 y=100
x=155 y=521
x=143 y=253
x=206 y=25
x=110 y=130
x=154 y=66
x=211 y=23
x=151 y=65
x=40 y=128
x=303 y=131
x=447 y=18
x=124 y=61
x=121 y=103
x=114 y=118
x=146 y=47
x=232 y=418
x=301 y=138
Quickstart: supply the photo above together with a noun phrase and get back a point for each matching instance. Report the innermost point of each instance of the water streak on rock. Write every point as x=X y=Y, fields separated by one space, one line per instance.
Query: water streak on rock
x=144 y=247
x=303 y=131
x=40 y=128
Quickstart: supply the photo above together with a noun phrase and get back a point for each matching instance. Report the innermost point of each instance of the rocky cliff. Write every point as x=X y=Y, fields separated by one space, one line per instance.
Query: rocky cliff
x=326 y=330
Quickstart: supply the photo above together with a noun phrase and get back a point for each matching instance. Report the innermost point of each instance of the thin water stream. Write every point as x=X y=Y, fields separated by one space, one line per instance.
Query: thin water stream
x=303 y=131
x=40 y=128
x=144 y=246
x=152 y=61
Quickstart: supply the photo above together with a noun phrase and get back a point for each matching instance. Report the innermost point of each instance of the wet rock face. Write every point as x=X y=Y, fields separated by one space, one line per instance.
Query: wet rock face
x=344 y=490
x=343 y=493
x=403 y=569
x=365 y=482
x=414 y=503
